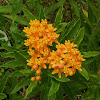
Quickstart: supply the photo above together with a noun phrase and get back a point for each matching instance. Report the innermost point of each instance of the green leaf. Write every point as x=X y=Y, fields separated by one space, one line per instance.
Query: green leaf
x=8 y=48
x=2 y=96
x=23 y=83
x=61 y=27
x=53 y=7
x=91 y=16
x=59 y=95
x=88 y=61
x=13 y=64
x=14 y=82
x=96 y=11
x=16 y=6
x=86 y=94
x=14 y=31
x=62 y=79
x=30 y=88
x=84 y=73
x=79 y=37
x=28 y=14
x=17 y=73
x=92 y=92
x=90 y=54
x=4 y=34
x=4 y=81
x=13 y=28
x=23 y=71
x=75 y=8
x=41 y=14
x=36 y=90
x=72 y=32
x=54 y=88
x=70 y=24
x=31 y=4
x=5 y=9
x=59 y=16
x=7 y=54
x=19 y=19
x=97 y=93
x=20 y=57
x=67 y=90
x=2 y=21
x=75 y=86
x=45 y=90
x=18 y=98
x=37 y=8
x=52 y=97
x=21 y=37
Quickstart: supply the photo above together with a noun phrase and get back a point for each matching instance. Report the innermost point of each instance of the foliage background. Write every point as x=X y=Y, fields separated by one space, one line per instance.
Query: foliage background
x=76 y=20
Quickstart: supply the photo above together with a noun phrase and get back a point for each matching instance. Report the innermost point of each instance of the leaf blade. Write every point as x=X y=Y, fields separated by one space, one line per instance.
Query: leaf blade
x=59 y=15
x=67 y=90
x=79 y=37
x=30 y=88
x=24 y=82
x=90 y=54
x=62 y=79
x=75 y=8
x=53 y=7
x=2 y=96
x=84 y=73
x=4 y=81
x=54 y=88
x=72 y=32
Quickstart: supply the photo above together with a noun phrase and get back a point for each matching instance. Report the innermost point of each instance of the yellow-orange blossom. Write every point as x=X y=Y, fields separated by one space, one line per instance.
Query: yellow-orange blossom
x=66 y=59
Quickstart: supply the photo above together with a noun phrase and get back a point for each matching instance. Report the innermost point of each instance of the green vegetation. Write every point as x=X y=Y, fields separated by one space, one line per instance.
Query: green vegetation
x=75 y=20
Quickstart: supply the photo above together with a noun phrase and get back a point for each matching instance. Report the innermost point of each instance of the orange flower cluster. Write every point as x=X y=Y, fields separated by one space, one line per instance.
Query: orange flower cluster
x=66 y=59
x=39 y=36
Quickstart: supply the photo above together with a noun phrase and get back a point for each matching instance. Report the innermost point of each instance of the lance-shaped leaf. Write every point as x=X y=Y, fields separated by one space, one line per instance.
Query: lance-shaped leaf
x=30 y=88
x=79 y=37
x=61 y=27
x=41 y=14
x=84 y=73
x=67 y=90
x=72 y=32
x=90 y=54
x=70 y=24
x=53 y=7
x=19 y=19
x=16 y=6
x=52 y=97
x=45 y=90
x=62 y=79
x=97 y=92
x=13 y=64
x=2 y=96
x=4 y=81
x=59 y=95
x=88 y=60
x=23 y=83
x=20 y=57
x=28 y=14
x=75 y=8
x=54 y=88
x=59 y=15
x=5 y=9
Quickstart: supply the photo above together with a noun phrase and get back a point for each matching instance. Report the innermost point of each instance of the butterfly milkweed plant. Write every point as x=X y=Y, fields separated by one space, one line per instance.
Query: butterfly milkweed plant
x=49 y=50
